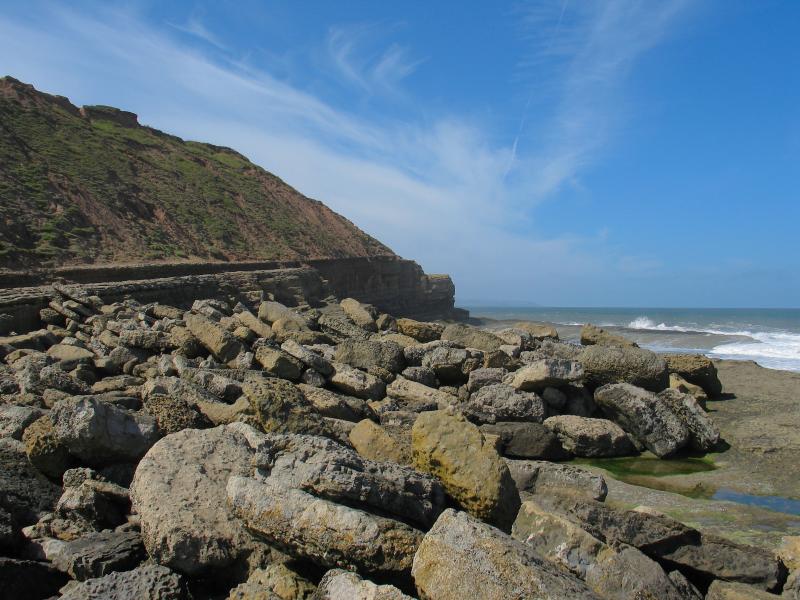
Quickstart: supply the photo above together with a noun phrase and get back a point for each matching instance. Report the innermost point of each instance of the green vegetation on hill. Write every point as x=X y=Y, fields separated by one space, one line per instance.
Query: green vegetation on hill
x=91 y=185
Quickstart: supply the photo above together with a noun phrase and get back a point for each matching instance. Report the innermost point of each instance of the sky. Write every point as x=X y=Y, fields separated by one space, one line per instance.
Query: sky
x=557 y=153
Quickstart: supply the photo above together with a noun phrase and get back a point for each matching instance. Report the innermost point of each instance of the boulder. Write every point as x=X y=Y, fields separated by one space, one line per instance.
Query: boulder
x=703 y=432
x=725 y=590
x=25 y=494
x=644 y=416
x=274 y=582
x=281 y=407
x=362 y=315
x=342 y=328
x=215 y=338
x=29 y=579
x=603 y=365
x=91 y=502
x=173 y=414
x=482 y=377
x=422 y=375
x=473 y=474
x=500 y=402
x=696 y=369
x=329 y=470
x=676 y=382
x=148 y=582
x=146 y=339
x=279 y=363
x=271 y=311
x=526 y=440
x=386 y=322
x=592 y=335
x=461 y=557
x=326 y=533
x=539 y=331
x=45 y=451
x=357 y=383
x=70 y=353
x=311 y=359
x=418 y=397
x=364 y=354
x=338 y=584
x=420 y=331
x=374 y=442
x=179 y=493
x=15 y=419
x=99 y=433
x=254 y=324
x=337 y=406
x=447 y=363
x=541 y=477
x=99 y=553
x=471 y=337
x=590 y=438
x=546 y=372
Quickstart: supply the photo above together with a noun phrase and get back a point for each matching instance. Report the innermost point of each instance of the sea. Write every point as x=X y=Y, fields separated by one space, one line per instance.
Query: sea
x=770 y=337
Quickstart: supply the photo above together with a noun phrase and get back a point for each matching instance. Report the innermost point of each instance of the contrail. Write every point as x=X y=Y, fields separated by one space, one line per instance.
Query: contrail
x=513 y=157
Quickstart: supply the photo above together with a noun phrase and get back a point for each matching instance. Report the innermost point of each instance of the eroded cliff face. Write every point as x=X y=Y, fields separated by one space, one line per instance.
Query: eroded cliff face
x=393 y=285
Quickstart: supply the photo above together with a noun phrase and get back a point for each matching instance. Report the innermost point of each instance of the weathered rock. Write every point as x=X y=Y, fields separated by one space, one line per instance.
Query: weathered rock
x=696 y=369
x=447 y=363
x=44 y=450
x=362 y=315
x=98 y=433
x=331 y=471
x=342 y=328
x=539 y=331
x=422 y=375
x=337 y=406
x=70 y=353
x=216 y=339
x=644 y=416
x=99 y=553
x=725 y=590
x=420 y=331
x=274 y=582
x=622 y=573
x=271 y=311
x=364 y=354
x=29 y=579
x=311 y=359
x=279 y=363
x=90 y=502
x=460 y=556
x=703 y=432
x=24 y=492
x=603 y=365
x=147 y=339
x=281 y=407
x=541 y=477
x=546 y=372
x=386 y=322
x=15 y=419
x=148 y=582
x=471 y=337
x=684 y=586
x=591 y=438
x=254 y=324
x=418 y=397
x=500 y=402
x=174 y=414
x=580 y=401
x=480 y=378
x=338 y=584
x=326 y=533
x=179 y=493
x=676 y=382
x=357 y=383
x=592 y=335
x=374 y=442
x=454 y=450
x=516 y=337
x=526 y=440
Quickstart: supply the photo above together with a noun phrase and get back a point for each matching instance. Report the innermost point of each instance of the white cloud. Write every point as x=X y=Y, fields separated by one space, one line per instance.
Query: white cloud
x=435 y=192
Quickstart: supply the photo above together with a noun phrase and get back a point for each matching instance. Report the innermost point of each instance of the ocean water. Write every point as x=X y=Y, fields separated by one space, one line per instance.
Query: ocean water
x=770 y=337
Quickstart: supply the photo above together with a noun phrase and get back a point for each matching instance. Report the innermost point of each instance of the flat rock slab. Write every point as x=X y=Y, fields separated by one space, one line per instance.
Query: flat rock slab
x=99 y=553
x=149 y=582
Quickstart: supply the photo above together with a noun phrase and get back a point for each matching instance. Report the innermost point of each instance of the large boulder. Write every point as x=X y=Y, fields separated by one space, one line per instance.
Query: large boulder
x=604 y=364
x=592 y=335
x=326 y=533
x=539 y=331
x=148 y=582
x=276 y=581
x=374 y=442
x=500 y=402
x=449 y=364
x=696 y=369
x=362 y=315
x=357 y=383
x=342 y=328
x=547 y=372
x=703 y=432
x=364 y=354
x=45 y=451
x=337 y=406
x=311 y=359
x=25 y=494
x=14 y=420
x=526 y=440
x=98 y=433
x=215 y=338
x=543 y=477
x=644 y=416
x=461 y=557
x=419 y=330
x=281 y=407
x=590 y=438
x=416 y=396
x=253 y=323
x=338 y=584
x=454 y=450
x=279 y=363
x=471 y=337
x=172 y=414
x=329 y=470
x=179 y=493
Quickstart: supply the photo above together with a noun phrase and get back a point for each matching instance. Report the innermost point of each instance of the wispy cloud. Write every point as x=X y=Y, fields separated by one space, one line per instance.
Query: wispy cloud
x=195 y=27
x=435 y=191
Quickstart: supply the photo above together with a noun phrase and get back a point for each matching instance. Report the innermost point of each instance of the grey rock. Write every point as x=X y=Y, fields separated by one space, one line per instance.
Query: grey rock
x=364 y=354
x=703 y=432
x=279 y=363
x=25 y=494
x=338 y=584
x=644 y=416
x=276 y=581
x=461 y=555
x=526 y=440
x=422 y=375
x=541 y=477
x=547 y=372
x=337 y=406
x=500 y=402
x=592 y=335
x=92 y=502
x=480 y=378
x=216 y=339
x=311 y=359
x=328 y=534
x=281 y=407
x=725 y=590
x=357 y=383
x=15 y=419
x=591 y=438
x=148 y=582
x=362 y=315
x=99 y=553
x=342 y=328
x=417 y=397
x=603 y=365
x=99 y=433
x=471 y=337
x=447 y=363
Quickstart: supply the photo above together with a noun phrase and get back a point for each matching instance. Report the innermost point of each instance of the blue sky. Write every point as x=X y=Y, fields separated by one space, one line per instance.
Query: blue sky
x=562 y=152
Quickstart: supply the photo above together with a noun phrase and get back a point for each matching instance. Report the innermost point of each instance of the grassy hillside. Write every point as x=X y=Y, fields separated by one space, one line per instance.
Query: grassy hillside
x=91 y=185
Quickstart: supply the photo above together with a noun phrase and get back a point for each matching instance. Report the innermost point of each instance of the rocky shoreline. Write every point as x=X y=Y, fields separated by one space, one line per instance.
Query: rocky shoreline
x=255 y=450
